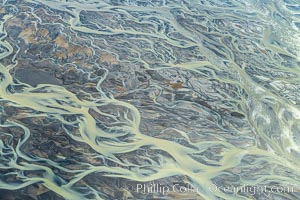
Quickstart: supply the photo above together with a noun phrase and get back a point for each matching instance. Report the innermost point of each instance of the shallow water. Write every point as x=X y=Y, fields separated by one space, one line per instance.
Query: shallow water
x=158 y=99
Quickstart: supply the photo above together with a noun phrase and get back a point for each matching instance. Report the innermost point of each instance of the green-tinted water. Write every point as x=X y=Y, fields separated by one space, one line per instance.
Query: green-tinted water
x=142 y=99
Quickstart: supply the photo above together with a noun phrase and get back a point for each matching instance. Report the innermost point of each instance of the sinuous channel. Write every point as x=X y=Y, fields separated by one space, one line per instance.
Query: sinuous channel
x=156 y=99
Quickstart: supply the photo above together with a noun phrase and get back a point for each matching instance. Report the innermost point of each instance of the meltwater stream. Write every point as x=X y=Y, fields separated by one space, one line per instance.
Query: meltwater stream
x=156 y=99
